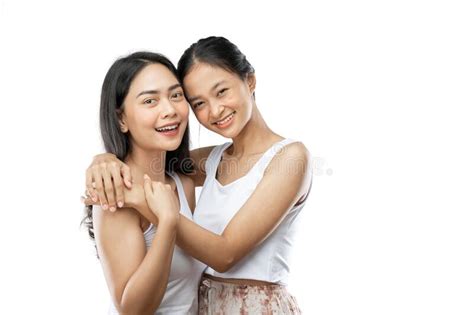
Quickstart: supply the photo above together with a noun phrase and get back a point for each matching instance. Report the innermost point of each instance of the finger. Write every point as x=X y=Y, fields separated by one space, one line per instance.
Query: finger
x=99 y=187
x=89 y=183
x=126 y=174
x=108 y=187
x=118 y=183
x=87 y=201
x=147 y=185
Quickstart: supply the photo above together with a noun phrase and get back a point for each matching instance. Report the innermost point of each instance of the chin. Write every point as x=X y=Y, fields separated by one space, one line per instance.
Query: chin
x=174 y=145
x=169 y=145
x=231 y=132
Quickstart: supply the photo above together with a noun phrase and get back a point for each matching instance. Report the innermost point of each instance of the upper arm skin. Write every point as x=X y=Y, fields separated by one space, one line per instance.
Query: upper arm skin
x=286 y=180
x=199 y=157
x=189 y=190
x=120 y=245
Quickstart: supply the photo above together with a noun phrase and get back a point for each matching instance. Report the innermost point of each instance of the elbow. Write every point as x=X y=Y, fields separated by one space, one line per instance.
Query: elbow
x=225 y=263
x=128 y=307
x=124 y=308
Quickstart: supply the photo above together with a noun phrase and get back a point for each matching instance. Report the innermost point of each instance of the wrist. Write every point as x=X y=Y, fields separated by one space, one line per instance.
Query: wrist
x=170 y=220
x=135 y=198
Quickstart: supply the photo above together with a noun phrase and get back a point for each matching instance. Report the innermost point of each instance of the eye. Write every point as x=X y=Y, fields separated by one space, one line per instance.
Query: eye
x=177 y=96
x=150 y=101
x=221 y=92
x=197 y=104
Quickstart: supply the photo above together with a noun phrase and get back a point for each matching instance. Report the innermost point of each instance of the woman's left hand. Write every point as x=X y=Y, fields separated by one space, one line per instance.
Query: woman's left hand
x=161 y=200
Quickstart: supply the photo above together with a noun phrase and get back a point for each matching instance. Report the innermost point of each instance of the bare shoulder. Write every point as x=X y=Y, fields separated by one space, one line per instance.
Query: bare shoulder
x=186 y=180
x=296 y=149
x=199 y=157
x=294 y=156
x=201 y=153
x=107 y=220
x=189 y=189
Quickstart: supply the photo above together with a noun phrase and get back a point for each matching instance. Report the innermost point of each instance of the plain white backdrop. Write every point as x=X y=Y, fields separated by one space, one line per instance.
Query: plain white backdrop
x=381 y=92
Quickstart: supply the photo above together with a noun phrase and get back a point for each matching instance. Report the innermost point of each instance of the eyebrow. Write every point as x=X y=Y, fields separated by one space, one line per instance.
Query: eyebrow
x=190 y=100
x=217 y=84
x=174 y=86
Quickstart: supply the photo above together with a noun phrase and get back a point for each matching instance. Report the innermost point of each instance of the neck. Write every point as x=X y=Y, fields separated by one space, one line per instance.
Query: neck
x=254 y=136
x=147 y=162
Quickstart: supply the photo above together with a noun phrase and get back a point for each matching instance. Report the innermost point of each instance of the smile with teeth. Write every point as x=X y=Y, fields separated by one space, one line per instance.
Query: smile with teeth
x=223 y=121
x=167 y=128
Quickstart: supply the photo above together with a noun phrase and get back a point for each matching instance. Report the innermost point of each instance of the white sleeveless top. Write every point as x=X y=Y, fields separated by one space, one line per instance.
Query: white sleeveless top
x=218 y=204
x=181 y=296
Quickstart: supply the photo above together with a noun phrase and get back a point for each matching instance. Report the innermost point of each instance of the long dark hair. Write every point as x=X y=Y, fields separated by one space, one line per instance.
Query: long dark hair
x=215 y=51
x=114 y=90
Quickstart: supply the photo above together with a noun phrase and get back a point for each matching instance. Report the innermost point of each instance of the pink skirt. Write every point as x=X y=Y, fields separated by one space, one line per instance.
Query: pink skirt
x=218 y=298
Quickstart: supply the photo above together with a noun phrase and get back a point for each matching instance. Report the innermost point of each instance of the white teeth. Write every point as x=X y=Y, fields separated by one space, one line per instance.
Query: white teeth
x=225 y=120
x=168 y=128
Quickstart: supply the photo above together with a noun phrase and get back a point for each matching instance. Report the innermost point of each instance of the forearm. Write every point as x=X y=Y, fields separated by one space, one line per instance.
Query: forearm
x=198 y=242
x=145 y=211
x=137 y=201
x=212 y=249
x=144 y=291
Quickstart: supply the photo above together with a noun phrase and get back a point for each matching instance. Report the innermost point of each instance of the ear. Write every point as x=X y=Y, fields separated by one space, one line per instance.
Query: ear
x=252 y=82
x=122 y=121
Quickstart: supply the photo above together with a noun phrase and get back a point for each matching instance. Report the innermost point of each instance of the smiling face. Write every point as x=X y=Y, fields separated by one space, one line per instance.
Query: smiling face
x=155 y=111
x=221 y=100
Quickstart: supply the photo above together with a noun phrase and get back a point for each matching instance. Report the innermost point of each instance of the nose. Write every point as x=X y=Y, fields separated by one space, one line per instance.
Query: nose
x=167 y=110
x=216 y=110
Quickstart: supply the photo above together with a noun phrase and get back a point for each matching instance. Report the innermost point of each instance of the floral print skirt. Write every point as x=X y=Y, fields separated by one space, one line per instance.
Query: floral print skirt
x=220 y=298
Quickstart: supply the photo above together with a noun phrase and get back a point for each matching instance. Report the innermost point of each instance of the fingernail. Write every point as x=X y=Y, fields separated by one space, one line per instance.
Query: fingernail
x=105 y=207
x=94 y=198
x=120 y=204
x=112 y=209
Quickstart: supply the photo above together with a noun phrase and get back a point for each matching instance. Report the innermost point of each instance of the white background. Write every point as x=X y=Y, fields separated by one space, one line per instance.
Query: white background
x=381 y=92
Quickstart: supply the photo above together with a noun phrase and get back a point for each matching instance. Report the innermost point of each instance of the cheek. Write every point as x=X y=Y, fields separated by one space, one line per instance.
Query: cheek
x=183 y=109
x=146 y=118
x=201 y=116
x=235 y=101
x=138 y=119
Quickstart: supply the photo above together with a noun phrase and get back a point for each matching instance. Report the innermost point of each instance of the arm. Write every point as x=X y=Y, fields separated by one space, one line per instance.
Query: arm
x=189 y=190
x=135 y=198
x=199 y=157
x=104 y=181
x=136 y=279
x=111 y=176
x=286 y=181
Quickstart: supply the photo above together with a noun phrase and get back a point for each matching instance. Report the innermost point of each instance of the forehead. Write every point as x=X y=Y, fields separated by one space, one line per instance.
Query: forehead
x=202 y=77
x=153 y=77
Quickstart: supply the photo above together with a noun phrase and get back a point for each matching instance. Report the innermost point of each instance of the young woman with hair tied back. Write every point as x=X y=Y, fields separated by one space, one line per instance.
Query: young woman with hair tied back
x=253 y=188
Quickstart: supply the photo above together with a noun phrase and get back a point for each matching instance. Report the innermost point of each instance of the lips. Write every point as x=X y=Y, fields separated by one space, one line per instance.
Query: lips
x=225 y=119
x=168 y=127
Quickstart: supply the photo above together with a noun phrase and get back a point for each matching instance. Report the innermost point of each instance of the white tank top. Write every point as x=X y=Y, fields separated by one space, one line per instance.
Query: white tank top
x=181 y=296
x=218 y=204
